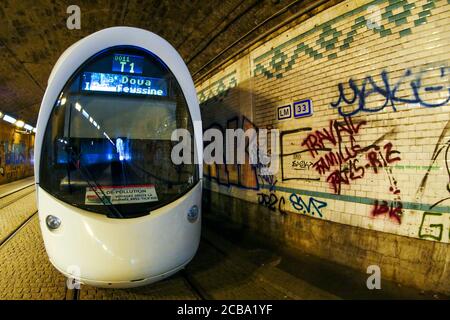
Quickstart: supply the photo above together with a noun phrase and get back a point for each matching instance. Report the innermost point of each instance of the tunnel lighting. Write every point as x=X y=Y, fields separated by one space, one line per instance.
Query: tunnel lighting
x=28 y=127
x=1 y=115
x=107 y=137
x=91 y=120
x=85 y=114
x=63 y=101
x=20 y=123
x=9 y=119
x=78 y=106
x=34 y=130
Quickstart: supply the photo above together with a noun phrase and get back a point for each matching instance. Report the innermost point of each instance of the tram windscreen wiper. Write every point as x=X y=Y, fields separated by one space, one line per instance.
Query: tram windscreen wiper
x=90 y=180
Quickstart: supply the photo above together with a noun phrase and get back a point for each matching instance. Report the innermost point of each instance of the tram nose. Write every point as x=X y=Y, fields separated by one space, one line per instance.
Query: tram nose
x=111 y=200
x=118 y=250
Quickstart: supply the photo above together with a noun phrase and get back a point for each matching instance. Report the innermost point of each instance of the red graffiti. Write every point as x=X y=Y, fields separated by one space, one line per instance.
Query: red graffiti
x=315 y=141
x=344 y=164
x=375 y=159
x=394 y=209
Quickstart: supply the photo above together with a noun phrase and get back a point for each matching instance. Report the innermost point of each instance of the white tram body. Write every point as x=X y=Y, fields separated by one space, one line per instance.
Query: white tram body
x=114 y=210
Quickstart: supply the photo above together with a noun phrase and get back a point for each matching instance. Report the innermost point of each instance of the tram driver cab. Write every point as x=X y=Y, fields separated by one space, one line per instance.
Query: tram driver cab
x=114 y=209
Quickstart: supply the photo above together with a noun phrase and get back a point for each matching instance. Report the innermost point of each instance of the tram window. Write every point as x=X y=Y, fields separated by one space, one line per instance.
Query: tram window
x=106 y=145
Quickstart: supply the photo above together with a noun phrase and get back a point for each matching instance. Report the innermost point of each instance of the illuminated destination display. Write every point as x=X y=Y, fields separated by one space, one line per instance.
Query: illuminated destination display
x=121 y=83
x=126 y=63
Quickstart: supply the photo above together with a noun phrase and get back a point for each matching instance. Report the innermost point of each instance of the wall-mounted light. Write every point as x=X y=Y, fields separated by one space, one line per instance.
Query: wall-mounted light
x=20 y=123
x=28 y=127
x=34 y=130
x=9 y=119
x=1 y=115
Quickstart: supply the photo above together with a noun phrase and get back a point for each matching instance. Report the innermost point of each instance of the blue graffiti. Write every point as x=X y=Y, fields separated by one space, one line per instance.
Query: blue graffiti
x=313 y=206
x=368 y=87
x=268 y=180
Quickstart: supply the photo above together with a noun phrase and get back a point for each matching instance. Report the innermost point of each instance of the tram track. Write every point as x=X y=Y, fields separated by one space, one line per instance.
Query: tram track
x=16 y=211
x=191 y=283
x=17 y=229
x=17 y=198
x=6 y=194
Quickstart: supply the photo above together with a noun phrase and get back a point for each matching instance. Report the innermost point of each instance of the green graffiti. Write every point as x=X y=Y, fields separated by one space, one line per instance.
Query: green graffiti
x=440 y=227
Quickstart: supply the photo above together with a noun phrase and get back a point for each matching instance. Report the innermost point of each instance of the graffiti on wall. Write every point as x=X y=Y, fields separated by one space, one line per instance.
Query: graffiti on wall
x=347 y=161
x=304 y=205
x=16 y=159
x=272 y=201
x=346 y=153
x=409 y=89
x=433 y=224
x=391 y=209
x=238 y=175
x=15 y=153
x=296 y=162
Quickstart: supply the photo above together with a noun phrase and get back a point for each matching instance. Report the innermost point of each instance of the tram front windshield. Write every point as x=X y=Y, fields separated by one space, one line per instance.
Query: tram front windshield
x=107 y=146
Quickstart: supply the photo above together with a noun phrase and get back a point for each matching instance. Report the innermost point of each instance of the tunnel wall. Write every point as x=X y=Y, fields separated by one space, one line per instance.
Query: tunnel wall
x=365 y=178
x=16 y=153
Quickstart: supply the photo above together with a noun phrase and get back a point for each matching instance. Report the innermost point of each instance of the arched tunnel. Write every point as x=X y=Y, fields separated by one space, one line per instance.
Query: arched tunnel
x=309 y=146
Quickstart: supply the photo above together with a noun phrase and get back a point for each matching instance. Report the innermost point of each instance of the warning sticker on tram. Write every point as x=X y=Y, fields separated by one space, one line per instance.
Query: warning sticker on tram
x=120 y=194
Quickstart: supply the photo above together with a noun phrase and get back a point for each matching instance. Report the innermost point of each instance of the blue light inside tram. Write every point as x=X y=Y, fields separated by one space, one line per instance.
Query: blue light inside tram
x=95 y=153
x=123 y=84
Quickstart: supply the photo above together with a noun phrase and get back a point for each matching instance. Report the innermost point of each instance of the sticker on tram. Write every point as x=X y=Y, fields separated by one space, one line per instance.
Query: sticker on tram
x=120 y=194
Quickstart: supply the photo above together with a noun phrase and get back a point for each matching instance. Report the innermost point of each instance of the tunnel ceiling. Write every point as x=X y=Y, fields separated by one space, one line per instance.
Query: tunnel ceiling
x=33 y=34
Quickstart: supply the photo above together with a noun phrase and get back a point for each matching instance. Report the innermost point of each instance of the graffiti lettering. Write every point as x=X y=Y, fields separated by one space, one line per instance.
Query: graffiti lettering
x=346 y=156
x=296 y=164
x=313 y=207
x=301 y=165
x=357 y=101
x=431 y=230
x=272 y=202
x=394 y=210
x=315 y=142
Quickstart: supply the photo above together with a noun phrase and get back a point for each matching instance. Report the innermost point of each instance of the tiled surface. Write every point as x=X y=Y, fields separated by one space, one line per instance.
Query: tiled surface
x=25 y=271
x=12 y=186
x=15 y=209
x=341 y=49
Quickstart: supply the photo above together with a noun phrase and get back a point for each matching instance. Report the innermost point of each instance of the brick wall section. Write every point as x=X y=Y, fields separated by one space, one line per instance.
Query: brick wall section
x=374 y=154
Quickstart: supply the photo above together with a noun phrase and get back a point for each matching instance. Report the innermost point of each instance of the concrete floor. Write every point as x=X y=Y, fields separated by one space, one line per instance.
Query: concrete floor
x=231 y=264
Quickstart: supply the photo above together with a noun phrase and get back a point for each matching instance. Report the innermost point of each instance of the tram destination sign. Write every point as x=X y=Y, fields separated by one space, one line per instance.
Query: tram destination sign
x=123 y=84
x=126 y=63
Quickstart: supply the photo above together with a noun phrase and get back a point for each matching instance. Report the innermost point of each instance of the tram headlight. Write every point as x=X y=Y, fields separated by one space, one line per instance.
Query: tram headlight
x=192 y=215
x=52 y=222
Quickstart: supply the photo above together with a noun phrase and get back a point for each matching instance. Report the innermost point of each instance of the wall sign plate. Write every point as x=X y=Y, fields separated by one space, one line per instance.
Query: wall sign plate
x=303 y=108
x=284 y=112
